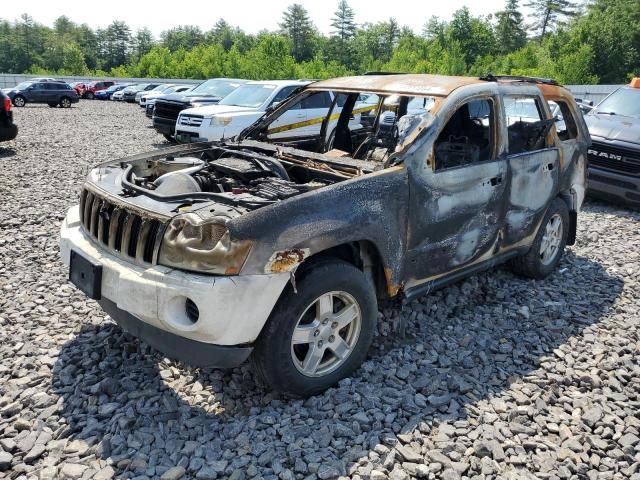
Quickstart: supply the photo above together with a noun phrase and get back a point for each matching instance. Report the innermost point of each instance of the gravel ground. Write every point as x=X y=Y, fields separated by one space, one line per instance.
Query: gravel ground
x=498 y=377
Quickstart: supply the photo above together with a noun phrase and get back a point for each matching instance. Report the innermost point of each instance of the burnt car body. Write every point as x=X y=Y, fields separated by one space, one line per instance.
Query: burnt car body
x=614 y=156
x=282 y=243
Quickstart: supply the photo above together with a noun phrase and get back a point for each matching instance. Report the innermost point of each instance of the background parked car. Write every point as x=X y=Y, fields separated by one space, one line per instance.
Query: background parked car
x=150 y=101
x=242 y=107
x=614 y=154
x=118 y=95
x=129 y=94
x=8 y=130
x=52 y=93
x=207 y=93
x=108 y=92
x=158 y=89
x=79 y=87
x=93 y=87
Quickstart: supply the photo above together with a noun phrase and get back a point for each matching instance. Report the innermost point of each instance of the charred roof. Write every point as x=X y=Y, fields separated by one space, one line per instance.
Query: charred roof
x=416 y=84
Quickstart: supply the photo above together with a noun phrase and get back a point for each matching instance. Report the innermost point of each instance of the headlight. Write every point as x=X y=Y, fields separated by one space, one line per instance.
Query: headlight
x=190 y=243
x=220 y=121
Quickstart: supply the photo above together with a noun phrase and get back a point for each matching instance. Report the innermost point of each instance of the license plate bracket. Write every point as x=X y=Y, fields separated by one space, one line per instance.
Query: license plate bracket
x=85 y=275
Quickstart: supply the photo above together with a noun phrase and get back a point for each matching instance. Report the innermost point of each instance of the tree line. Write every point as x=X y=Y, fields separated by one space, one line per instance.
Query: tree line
x=575 y=43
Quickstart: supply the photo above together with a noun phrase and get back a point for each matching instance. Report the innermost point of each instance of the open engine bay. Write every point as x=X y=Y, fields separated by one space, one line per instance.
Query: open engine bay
x=236 y=174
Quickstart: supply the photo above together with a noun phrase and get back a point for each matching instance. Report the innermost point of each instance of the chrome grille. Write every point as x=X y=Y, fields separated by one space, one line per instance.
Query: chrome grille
x=190 y=120
x=123 y=232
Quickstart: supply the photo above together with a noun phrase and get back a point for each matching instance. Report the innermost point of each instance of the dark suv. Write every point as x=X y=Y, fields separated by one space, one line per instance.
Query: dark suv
x=8 y=130
x=207 y=93
x=52 y=93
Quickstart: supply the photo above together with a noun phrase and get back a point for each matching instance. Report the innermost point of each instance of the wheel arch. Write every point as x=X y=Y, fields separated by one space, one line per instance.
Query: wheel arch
x=364 y=255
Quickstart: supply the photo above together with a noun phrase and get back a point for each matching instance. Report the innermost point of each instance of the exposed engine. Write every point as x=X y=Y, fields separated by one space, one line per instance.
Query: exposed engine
x=250 y=180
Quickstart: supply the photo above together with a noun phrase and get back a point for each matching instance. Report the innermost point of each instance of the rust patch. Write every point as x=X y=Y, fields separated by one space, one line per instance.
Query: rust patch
x=392 y=289
x=286 y=260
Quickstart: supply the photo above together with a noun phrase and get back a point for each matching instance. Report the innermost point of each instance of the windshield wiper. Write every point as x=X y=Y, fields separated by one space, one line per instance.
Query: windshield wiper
x=607 y=113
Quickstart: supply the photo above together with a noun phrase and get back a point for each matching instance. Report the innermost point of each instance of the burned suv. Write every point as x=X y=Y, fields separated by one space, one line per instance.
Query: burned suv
x=279 y=244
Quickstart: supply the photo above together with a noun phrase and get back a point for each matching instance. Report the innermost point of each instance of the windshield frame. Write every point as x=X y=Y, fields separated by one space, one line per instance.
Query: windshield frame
x=257 y=131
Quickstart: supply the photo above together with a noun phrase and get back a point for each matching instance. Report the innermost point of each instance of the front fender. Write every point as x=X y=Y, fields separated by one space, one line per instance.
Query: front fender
x=372 y=207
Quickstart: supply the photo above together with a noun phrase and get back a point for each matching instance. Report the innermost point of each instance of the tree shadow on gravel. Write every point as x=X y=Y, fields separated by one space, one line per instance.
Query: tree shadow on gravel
x=484 y=338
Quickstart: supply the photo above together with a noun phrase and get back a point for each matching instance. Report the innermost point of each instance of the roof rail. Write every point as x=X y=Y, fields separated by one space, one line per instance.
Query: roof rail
x=384 y=73
x=516 y=78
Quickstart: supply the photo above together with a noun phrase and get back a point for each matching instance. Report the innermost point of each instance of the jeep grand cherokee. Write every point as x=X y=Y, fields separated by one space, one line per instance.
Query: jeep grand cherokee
x=279 y=244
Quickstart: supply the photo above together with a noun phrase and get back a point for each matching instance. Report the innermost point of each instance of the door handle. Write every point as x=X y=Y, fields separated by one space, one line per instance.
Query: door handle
x=300 y=115
x=495 y=181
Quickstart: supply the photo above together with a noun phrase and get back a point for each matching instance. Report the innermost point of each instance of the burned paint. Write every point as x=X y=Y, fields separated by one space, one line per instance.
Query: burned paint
x=286 y=261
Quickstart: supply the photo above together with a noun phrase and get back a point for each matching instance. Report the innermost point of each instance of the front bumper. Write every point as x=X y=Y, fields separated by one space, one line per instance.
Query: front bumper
x=150 y=302
x=614 y=186
x=188 y=137
x=166 y=126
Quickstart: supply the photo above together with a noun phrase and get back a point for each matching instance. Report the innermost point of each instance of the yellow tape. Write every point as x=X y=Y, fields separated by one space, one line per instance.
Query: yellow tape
x=314 y=121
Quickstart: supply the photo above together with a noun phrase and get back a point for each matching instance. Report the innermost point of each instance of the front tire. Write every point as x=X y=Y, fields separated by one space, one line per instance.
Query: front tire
x=320 y=335
x=89 y=96
x=549 y=244
x=65 y=102
x=19 y=101
x=169 y=138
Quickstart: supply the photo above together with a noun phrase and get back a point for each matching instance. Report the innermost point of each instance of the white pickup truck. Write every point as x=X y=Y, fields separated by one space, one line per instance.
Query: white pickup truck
x=243 y=107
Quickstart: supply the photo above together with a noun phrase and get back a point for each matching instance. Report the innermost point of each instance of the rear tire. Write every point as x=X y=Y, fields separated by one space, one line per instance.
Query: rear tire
x=19 y=101
x=548 y=245
x=320 y=335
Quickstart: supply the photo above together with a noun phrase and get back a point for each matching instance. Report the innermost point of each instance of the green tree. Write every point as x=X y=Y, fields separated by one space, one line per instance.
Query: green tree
x=340 y=46
x=142 y=42
x=471 y=36
x=510 y=31
x=183 y=36
x=73 y=59
x=549 y=14
x=297 y=26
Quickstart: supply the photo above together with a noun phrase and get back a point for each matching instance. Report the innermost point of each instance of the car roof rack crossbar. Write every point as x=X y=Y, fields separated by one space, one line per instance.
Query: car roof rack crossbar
x=516 y=78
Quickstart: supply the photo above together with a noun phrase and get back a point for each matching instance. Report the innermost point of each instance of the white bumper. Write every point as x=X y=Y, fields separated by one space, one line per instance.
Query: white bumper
x=232 y=310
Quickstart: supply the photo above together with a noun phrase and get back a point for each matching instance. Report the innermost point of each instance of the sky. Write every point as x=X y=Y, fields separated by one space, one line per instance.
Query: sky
x=250 y=15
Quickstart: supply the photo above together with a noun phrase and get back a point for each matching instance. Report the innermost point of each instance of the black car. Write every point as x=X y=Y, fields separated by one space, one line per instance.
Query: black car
x=614 y=155
x=207 y=93
x=129 y=93
x=52 y=93
x=8 y=130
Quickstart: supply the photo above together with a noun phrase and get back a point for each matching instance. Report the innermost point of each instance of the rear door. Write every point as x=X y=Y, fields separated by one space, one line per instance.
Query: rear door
x=533 y=165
